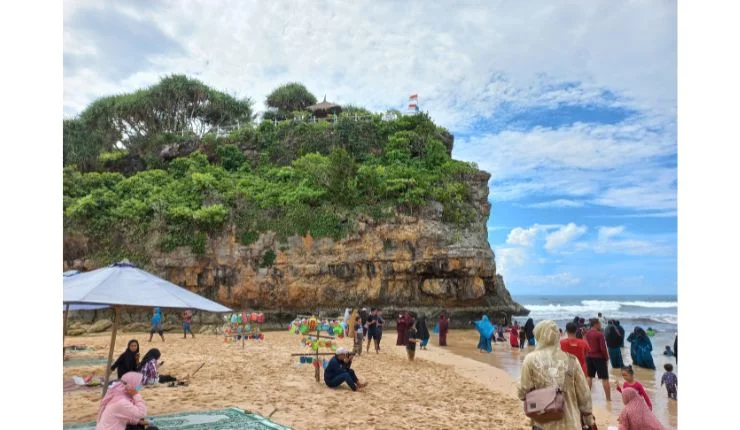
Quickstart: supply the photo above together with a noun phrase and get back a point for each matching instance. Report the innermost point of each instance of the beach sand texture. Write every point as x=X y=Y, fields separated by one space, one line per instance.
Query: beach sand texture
x=462 y=342
x=428 y=393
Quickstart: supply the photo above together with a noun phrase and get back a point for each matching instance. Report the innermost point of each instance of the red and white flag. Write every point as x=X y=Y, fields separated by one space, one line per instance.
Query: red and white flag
x=414 y=97
x=412 y=105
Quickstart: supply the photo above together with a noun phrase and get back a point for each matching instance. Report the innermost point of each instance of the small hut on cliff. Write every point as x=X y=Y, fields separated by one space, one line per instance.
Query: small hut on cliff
x=324 y=109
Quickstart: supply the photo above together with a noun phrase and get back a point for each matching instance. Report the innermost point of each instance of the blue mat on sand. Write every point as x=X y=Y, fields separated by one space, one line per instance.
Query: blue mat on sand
x=77 y=362
x=223 y=419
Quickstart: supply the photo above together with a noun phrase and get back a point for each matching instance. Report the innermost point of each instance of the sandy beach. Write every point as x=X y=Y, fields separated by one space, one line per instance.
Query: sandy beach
x=456 y=387
x=428 y=393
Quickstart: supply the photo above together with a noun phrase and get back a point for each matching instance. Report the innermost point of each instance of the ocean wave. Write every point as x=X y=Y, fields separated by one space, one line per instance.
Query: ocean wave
x=610 y=304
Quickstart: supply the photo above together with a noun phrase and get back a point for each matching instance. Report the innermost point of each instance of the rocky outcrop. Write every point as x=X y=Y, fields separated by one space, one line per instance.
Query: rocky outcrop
x=407 y=262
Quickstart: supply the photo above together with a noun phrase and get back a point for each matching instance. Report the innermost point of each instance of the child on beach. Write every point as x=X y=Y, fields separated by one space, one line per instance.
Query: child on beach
x=670 y=380
x=412 y=339
x=628 y=373
x=187 y=319
x=357 y=349
x=156 y=325
x=668 y=351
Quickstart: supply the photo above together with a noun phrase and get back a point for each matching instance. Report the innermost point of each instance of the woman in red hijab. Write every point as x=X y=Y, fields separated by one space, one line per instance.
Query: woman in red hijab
x=636 y=415
x=514 y=337
x=402 y=326
x=444 y=325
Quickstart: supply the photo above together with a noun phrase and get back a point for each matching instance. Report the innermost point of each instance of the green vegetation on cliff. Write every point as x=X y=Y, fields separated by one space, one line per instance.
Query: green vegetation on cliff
x=150 y=169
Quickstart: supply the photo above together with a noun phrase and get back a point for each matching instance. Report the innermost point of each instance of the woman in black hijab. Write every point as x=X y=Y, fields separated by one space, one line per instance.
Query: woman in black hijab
x=422 y=331
x=529 y=331
x=129 y=360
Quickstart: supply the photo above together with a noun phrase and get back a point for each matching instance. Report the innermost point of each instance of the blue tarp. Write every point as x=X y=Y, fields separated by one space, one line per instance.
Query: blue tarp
x=126 y=285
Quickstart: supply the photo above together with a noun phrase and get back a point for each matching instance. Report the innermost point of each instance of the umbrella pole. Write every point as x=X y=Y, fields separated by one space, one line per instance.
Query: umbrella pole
x=116 y=311
x=64 y=332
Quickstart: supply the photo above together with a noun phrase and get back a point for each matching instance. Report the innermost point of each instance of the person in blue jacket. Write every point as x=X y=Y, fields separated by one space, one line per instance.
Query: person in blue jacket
x=485 y=330
x=338 y=371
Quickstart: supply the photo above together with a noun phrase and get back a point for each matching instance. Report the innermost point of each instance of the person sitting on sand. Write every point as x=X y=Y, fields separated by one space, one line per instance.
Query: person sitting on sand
x=668 y=352
x=129 y=360
x=444 y=325
x=628 y=373
x=122 y=407
x=548 y=366
x=636 y=415
x=149 y=367
x=641 y=349
x=338 y=371
x=157 y=324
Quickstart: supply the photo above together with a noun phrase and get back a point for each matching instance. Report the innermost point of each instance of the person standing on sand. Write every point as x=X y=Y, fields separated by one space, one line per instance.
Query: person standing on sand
x=548 y=366
x=603 y=321
x=444 y=325
x=641 y=348
x=187 y=319
x=574 y=346
x=621 y=333
x=636 y=415
x=514 y=337
x=380 y=323
x=675 y=348
x=613 y=340
x=597 y=357
x=522 y=338
x=402 y=326
x=411 y=339
x=422 y=331
x=157 y=324
x=359 y=335
x=529 y=331
x=338 y=371
x=372 y=329
x=485 y=331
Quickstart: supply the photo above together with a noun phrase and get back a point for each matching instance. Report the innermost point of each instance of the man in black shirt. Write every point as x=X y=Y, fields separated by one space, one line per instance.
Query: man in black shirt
x=372 y=330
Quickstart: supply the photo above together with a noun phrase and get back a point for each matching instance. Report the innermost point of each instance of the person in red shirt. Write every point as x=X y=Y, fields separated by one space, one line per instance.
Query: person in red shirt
x=597 y=358
x=628 y=373
x=574 y=346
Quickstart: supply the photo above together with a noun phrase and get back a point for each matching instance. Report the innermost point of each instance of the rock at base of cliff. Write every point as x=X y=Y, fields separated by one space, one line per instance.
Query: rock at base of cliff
x=136 y=327
x=100 y=326
x=76 y=332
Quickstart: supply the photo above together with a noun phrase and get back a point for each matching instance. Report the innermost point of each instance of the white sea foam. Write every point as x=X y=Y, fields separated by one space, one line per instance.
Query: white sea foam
x=631 y=312
x=609 y=304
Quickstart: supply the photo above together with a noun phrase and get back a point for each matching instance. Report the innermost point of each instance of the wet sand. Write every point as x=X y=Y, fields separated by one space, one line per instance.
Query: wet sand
x=440 y=390
x=463 y=342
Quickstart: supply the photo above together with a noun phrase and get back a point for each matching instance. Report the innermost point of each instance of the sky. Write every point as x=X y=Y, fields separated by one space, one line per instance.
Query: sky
x=570 y=105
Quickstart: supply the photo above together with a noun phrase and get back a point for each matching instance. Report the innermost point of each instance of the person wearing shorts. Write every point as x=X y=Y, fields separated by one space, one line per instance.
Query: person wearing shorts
x=156 y=324
x=187 y=319
x=597 y=357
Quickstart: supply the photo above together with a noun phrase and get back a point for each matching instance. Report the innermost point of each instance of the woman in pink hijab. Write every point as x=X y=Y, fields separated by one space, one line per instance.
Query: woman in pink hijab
x=636 y=415
x=123 y=406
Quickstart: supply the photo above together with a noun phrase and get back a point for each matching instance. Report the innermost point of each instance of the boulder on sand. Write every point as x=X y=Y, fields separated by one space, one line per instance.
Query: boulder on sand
x=99 y=326
x=136 y=327
x=76 y=331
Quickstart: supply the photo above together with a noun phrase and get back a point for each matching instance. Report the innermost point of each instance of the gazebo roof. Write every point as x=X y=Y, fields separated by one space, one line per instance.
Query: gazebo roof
x=324 y=106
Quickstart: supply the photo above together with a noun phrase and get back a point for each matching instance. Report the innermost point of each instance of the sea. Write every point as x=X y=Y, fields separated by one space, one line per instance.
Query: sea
x=658 y=312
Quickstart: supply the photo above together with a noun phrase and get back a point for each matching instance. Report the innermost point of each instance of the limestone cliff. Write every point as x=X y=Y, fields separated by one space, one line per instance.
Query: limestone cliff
x=406 y=262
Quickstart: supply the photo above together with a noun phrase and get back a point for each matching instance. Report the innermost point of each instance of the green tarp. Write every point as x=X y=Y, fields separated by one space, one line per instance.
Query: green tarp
x=223 y=419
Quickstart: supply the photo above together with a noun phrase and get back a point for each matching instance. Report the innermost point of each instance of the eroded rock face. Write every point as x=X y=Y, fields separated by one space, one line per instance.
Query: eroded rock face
x=407 y=262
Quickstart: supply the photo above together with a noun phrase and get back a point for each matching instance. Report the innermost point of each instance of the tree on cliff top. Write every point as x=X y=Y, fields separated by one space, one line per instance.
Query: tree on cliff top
x=177 y=104
x=290 y=97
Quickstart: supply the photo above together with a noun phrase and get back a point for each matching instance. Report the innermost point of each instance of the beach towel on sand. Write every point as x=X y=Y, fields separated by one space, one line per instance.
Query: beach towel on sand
x=230 y=418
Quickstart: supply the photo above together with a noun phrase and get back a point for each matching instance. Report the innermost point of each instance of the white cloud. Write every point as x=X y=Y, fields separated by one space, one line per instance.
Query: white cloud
x=464 y=62
x=563 y=279
x=564 y=235
x=607 y=232
x=559 y=203
x=522 y=236
x=616 y=240
x=510 y=258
